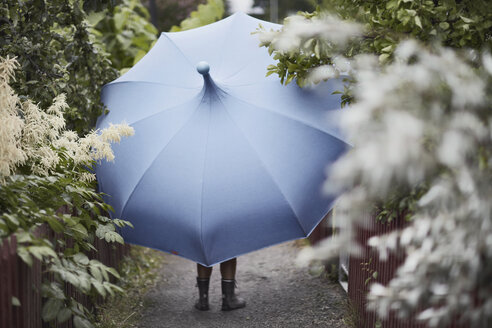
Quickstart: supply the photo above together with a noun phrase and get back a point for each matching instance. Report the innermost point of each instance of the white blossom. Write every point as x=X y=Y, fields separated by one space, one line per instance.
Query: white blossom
x=422 y=121
x=11 y=124
x=29 y=135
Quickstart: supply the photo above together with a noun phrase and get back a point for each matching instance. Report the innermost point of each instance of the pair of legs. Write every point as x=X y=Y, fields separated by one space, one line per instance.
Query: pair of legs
x=230 y=301
x=227 y=270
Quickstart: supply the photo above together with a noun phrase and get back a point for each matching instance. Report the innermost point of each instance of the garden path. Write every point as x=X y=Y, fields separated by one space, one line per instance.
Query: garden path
x=278 y=294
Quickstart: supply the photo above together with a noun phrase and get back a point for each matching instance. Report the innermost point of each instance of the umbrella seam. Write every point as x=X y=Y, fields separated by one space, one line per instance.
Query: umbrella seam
x=242 y=69
x=290 y=118
x=264 y=166
x=182 y=53
x=153 y=161
x=149 y=82
x=165 y=110
x=203 y=177
x=224 y=42
x=250 y=84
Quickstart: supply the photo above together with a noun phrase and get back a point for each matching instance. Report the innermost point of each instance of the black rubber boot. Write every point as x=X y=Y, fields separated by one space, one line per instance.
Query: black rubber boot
x=230 y=301
x=202 y=284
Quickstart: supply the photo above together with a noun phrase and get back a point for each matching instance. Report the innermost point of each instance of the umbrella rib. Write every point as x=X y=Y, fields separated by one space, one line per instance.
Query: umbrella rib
x=291 y=118
x=182 y=53
x=264 y=167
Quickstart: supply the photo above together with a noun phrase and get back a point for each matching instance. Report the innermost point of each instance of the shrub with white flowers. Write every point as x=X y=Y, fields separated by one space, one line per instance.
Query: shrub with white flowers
x=44 y=167
x=421 y=126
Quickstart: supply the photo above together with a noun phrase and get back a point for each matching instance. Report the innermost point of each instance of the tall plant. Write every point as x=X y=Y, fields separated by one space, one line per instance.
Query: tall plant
x=44 y=167
x=420 y=85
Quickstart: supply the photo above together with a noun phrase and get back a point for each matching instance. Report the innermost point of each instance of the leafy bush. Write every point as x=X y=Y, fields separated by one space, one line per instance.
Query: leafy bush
x=420 y=86
x=383 y=25
x=44 y=167
x=124 y=32
x=205 y=14
x=52 y=43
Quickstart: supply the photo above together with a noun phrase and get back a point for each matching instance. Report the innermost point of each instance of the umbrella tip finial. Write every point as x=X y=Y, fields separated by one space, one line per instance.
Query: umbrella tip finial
x=203 y=67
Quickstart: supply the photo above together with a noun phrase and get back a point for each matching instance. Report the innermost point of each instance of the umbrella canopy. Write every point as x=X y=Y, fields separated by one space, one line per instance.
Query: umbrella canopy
x=224 y=160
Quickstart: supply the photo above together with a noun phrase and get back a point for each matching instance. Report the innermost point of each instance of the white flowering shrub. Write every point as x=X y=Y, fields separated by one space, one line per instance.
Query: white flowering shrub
x=421 y=126
x=44 y=167
x=38 y=138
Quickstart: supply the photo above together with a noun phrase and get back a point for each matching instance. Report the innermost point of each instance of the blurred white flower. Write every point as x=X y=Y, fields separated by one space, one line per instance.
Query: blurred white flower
x=424 y=119
x=30 y=135
x=298 y=30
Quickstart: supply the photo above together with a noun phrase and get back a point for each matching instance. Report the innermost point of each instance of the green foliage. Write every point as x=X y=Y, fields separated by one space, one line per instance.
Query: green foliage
x=400 y=205
x=170 y=12
x=205 y=14
x=125 y=32
x=465 y=24
x=139 y=273
x=457 y=24
x=52 y=43
x=29 y=201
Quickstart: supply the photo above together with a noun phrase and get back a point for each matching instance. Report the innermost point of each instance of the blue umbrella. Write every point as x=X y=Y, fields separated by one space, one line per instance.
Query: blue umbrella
x=224 y=160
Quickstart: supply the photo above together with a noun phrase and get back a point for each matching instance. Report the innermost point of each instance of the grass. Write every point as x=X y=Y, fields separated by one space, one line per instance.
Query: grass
x=351 y=317
x=139 y=273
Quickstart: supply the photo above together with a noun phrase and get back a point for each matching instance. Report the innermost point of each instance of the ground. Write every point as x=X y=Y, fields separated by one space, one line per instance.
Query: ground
x=277 y=292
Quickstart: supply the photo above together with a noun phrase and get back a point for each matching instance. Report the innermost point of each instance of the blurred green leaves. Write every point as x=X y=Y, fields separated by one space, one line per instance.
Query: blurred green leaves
x=205 y=14
x=125 y=32
x=456 y=24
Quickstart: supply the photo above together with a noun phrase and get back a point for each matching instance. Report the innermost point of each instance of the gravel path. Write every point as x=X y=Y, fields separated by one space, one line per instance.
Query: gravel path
x=278 y=294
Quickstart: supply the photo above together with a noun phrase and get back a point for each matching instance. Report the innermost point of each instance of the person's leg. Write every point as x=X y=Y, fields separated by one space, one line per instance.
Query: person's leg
x=202 y=282
x=230 y=301
x=228 y=269
x=203 y=271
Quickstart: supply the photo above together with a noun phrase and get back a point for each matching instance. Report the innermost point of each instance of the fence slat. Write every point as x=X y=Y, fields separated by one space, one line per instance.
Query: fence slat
x=360 y=270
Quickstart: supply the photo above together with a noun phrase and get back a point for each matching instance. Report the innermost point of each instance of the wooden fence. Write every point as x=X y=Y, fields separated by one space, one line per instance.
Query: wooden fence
x=24 y=282
x=358 y=271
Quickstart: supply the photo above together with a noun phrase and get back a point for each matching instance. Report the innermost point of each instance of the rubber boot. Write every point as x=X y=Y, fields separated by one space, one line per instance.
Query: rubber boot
x=230 y=301
x=202 y=284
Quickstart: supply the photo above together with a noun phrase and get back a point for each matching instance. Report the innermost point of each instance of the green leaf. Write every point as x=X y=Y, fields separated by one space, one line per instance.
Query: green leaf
x=383 y=58
x=55 y=224
x=467 y=20
x=80 y=230
x=41 y=251
x=96 y=272
x=140 y=54
x=11 y=218
x=99 y=287
x=15 y=301
x=51 y=308
x=392 y=4
x=24 y=255
x=418 y=22
x=80 y=322
x=444 y=25
x=63 y=315
x=113 y=272
x=81 y=258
